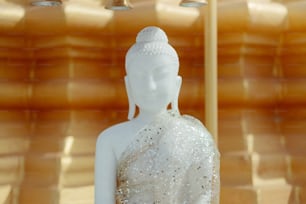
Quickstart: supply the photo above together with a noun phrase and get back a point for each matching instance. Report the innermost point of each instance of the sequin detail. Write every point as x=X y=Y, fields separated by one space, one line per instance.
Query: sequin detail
x=172 y=161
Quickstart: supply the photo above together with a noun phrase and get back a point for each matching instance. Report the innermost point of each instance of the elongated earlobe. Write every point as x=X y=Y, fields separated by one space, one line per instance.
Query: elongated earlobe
x=174 y=102
x=132 y=105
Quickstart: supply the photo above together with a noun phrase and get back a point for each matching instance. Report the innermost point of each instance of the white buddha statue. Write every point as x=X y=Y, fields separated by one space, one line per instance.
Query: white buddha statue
x=158 y=156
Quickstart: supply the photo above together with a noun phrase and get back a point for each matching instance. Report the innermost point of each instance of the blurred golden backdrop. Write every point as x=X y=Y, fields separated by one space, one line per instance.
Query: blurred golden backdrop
x=61 y=84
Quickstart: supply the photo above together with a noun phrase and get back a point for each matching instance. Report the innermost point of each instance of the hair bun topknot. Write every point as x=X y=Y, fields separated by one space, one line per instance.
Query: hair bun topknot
x=150 y=41
x=151 y=34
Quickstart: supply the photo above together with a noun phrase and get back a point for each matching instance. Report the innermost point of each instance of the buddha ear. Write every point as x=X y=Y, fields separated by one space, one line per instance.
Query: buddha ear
x=132 y=105
x=177 y=88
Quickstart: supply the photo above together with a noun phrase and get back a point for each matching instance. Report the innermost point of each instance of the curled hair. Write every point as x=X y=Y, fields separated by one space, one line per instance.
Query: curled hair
x=151 y=41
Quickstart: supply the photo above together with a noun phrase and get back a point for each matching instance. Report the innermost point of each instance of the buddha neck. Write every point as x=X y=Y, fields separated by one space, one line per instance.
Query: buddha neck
x=146 y=117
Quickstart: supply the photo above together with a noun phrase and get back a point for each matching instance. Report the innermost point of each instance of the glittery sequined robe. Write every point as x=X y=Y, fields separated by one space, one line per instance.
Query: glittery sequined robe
x=171 y=161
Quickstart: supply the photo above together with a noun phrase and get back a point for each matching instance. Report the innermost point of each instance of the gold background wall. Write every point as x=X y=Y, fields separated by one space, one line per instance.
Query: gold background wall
x=61 y=84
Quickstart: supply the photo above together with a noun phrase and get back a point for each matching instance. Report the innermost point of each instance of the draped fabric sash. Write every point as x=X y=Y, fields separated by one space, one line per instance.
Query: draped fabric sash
x=173 y=160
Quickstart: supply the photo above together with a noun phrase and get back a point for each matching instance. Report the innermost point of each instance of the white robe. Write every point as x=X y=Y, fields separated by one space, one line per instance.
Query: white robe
x=171 y=161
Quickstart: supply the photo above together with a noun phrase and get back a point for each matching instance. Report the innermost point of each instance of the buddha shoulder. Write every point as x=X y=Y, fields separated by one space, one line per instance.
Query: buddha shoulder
x=115 y=131
x=117 y=137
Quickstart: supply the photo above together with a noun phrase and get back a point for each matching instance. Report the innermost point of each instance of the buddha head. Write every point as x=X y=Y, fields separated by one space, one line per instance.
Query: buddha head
x=152 y=80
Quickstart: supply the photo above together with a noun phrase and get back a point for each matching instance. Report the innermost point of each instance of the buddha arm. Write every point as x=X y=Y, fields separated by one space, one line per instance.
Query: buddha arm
x=203 y=181
x=215 y=197
x=105 y=172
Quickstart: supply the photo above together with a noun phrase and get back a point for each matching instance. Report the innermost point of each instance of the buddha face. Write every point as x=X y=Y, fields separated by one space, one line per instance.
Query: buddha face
x=153 y=82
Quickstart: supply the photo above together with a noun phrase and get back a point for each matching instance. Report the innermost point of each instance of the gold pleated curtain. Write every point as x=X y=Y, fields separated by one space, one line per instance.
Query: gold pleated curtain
x=61 y=84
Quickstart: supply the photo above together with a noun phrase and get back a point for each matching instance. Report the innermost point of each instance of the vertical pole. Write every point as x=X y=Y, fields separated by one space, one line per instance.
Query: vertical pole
x=211 y=76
